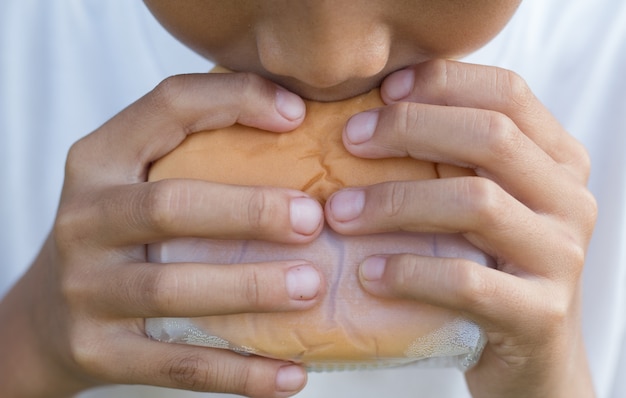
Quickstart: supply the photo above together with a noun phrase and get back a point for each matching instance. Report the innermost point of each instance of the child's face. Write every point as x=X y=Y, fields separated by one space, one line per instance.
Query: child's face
x=329 y=50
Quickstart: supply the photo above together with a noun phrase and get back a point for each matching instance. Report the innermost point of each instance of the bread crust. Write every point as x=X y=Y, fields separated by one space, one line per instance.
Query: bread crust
x=312 y=158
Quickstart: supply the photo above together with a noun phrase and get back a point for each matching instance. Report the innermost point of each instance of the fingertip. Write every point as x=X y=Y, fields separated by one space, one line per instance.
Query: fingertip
x=346 y=205
x=303 y=282
x=290 y=379
x=372 y=276
x=398 y=85
x=361 y=127
x=289 y=105
x=372 y=269
x=305 y=215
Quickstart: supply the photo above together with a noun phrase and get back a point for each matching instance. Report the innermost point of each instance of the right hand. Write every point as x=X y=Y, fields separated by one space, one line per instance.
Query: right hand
x=76 y=319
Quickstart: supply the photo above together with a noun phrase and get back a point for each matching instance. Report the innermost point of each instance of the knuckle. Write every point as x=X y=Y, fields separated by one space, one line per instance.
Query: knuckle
x=70 y=229
x=582 y=161
x=583 y=214
x=74 y=289
x=589 y=211
x=262 y=213
x=555 y=312
x=406 y=269
x=157 y=289
x=165 y=96
x=248 y=386
x=578 y=223
x=485 y=200
x=191 y=373
x=578 y=255
x=515 y=89
x=247 y=86
x=574 y=255
x=501 y=137
x=85 y=349
x=251 y=290
x=76 y=159
x=65 y=229
x=163 y=206
x=406 y=116
x=472 y=288
x=72 y=235
x=409 y=119
x=397 y=200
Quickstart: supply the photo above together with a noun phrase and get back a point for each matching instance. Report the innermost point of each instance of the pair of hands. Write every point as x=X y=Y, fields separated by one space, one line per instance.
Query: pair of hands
x=76 y=318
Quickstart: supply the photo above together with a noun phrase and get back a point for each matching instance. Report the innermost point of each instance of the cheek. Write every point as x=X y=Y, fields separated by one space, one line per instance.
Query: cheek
x=208 y=27
x=454 y=28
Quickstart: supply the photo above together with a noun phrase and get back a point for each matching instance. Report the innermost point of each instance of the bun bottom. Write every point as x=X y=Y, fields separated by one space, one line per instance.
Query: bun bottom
x=349 y=328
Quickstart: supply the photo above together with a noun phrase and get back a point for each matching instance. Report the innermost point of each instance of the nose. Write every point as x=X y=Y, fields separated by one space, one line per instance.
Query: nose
x=324 y=52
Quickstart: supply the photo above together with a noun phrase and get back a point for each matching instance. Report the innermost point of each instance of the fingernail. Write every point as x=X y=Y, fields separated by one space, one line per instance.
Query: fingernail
x=305 y=215
x=347 y=205
x=399 y=84
x=289 y=105
x=360 y=127
x=303 y=282
x=372 y=268
x=290 y=378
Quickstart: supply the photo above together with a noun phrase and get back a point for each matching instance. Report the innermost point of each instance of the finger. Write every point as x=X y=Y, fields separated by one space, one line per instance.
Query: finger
x=141 y=361
x=484 y=295
x=518 y=239
x=485 y=141
x=180 y=105
x=150 y=212
x=192 y=290
x=450 y=83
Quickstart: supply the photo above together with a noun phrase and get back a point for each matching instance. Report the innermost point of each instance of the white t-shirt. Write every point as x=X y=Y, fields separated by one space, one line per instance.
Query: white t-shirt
x=66 y=67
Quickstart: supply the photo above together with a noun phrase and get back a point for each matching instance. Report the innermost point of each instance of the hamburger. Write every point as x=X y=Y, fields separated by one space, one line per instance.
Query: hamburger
x=348 y=328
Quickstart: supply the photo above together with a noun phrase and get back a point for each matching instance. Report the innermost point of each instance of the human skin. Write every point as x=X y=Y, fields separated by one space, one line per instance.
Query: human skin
x=76 y=316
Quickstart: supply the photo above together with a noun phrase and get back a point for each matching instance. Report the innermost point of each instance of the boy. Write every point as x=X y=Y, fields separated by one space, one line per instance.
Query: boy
x=528 y=208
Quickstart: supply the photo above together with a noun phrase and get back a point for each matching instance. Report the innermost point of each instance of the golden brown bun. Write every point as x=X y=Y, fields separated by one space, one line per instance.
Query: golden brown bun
x=311 y=158
x=348 y=326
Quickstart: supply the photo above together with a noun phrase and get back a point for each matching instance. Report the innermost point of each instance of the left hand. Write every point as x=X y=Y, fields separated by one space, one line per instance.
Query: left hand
x=528 y=207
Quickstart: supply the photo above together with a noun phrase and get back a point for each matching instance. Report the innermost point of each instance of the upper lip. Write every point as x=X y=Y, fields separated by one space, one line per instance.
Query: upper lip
x=338 y=92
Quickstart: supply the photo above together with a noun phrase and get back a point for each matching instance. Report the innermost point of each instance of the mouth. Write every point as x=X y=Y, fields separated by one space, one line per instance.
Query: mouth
x=339 y=92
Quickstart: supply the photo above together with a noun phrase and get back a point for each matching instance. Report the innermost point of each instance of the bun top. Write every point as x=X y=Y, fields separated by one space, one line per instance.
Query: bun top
x=311 y=158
